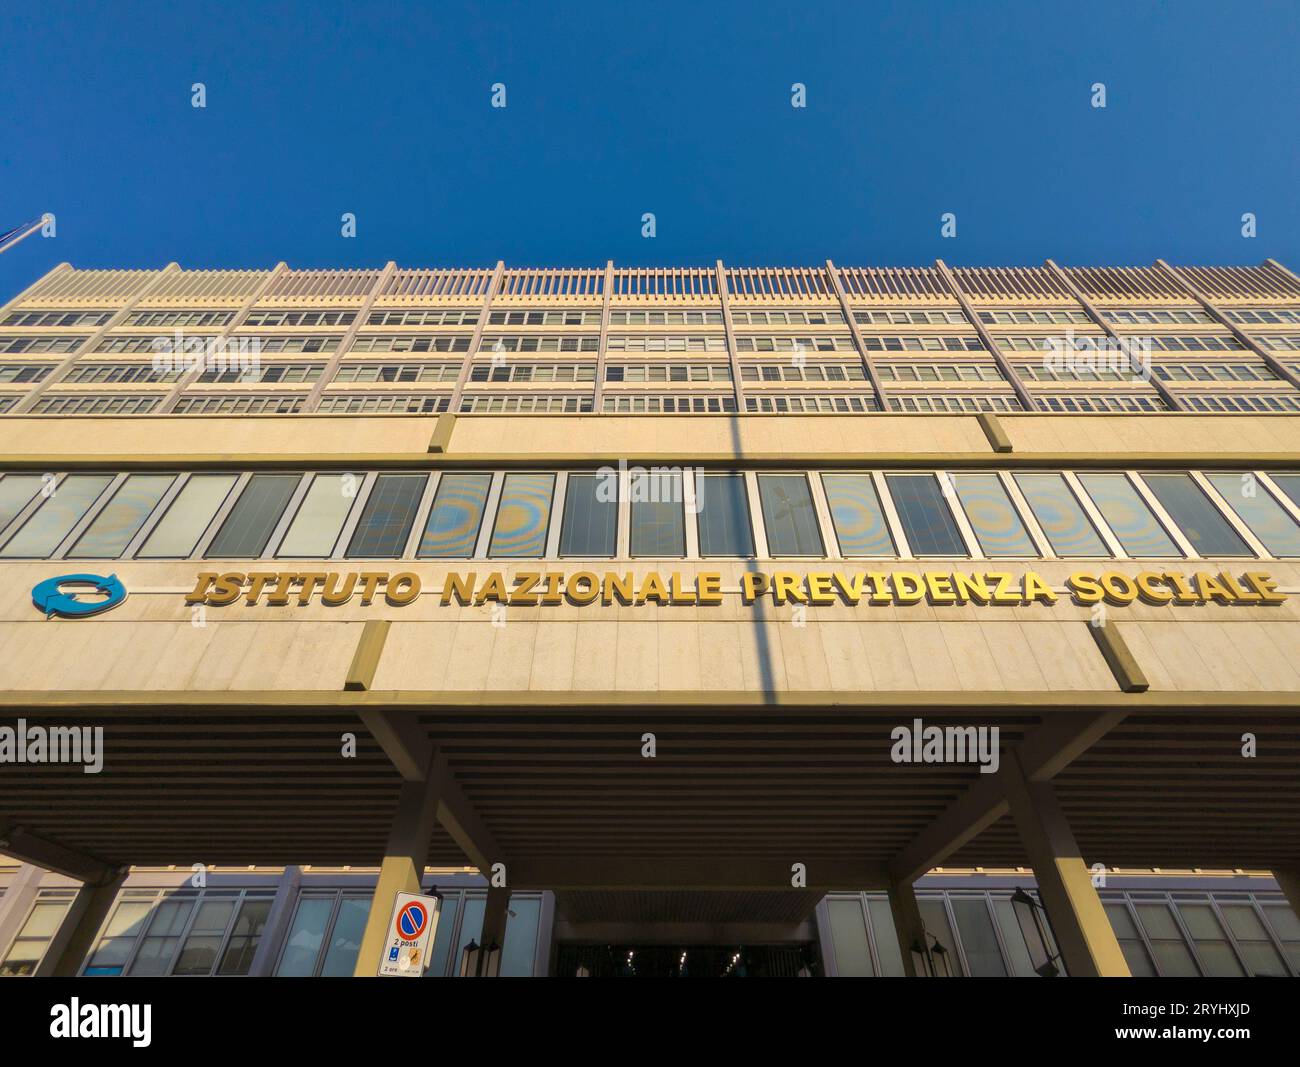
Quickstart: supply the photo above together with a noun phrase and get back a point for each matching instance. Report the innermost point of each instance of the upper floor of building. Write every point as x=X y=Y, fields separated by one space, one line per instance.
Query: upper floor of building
x=669 y=341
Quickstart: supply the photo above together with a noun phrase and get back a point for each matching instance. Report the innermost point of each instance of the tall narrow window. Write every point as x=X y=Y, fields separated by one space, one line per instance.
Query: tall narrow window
x=993 y=517
x=179 y=530
x=252 y=520
x=979 y=942
x=789 y=516
x=523 y=516
x=1267 y=519
x=388 y=516
x=857 y=516
x=722 y=510
x=203 y=941
x=658 y=523
x=1061 y=517
x=321 y=515
x=590 y=515
x=245 y=935
x=927 y=520
x=58 y=514
x=121 y=518
x=1127 y=514
x=1130 y=941
x=1199 y=520
x=456 y=516
x=1212 y=947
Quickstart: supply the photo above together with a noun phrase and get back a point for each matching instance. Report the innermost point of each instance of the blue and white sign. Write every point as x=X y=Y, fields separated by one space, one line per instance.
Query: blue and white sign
x=63 y=596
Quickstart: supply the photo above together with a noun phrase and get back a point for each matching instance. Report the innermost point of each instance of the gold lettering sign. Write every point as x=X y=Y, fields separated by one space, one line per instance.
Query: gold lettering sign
x=581 y=588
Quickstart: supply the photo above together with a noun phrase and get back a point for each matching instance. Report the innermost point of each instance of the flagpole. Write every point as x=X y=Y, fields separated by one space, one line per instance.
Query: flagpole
x=21 y=233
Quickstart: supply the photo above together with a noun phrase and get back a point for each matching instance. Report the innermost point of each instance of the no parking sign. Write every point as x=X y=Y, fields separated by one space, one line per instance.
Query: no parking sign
x=410 y=933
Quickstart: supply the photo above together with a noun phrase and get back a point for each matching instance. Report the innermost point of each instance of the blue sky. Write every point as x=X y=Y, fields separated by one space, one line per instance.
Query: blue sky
x=680 y=109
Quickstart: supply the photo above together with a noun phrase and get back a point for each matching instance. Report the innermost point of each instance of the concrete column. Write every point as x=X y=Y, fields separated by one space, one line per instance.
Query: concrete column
x=76 y=935
x=403 y=866
x=277 y=923
x=1084 y=935
x=1287 y=880
x=495 y=914
x=908 y=927
x=17 y=902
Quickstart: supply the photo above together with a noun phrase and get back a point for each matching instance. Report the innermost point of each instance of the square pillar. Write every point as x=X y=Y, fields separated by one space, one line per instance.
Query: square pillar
x=908 y=926
x=1083 y=933
x=76 y=934
x=276 y=927
x=495 y=914
x=403 y=866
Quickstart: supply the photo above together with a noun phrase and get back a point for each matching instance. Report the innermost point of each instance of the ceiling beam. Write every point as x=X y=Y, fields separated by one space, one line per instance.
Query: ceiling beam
x=1042 y=754
x=27 y=847
x=416 y=757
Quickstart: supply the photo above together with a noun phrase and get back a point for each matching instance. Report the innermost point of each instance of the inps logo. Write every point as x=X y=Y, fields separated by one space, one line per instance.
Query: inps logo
x=51 y=597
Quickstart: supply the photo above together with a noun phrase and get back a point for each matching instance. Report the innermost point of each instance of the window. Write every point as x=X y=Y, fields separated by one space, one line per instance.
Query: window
x=156 y=950
x=934 y=914
x=121 y=518
x=1212 y=948
x=857 y=516
x=849 y=936
x=34 y=938
x=388 y=516
x=1130 y=941
x=54 y=519
x=992 y=516
x=1255 y=507
x=119 y=938
x=16 y=490
x=523 y=516
x=179 y=530
x=1288 y=483
x=926 y=518
x=1257 y=950
x=325 y=935
x=198 y=955
x=1133 y=523
x=590 y=515
x=658 y=520
x=1198 y=519
x=321 y=515
x=244 y=937
x=1286 y=927
x=979 y=941
x=454 y=520
x=722 y=512
x=789 y=516
x=1171 y=952
x=251 y=521
x=1060 y=515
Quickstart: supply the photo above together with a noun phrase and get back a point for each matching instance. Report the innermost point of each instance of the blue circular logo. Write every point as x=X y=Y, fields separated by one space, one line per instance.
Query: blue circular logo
x=51 y=597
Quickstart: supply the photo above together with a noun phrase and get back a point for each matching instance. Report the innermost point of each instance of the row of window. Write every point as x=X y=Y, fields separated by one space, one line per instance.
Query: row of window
x=631 y=317
x=86 y=404
x=656 y=513
x=1179 y=934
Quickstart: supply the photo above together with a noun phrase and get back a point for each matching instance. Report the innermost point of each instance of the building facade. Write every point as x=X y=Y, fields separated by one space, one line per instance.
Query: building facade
x=725 y=621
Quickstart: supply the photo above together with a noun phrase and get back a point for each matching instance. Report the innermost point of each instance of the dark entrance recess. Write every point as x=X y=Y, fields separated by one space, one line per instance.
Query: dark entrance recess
x=687 y=961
